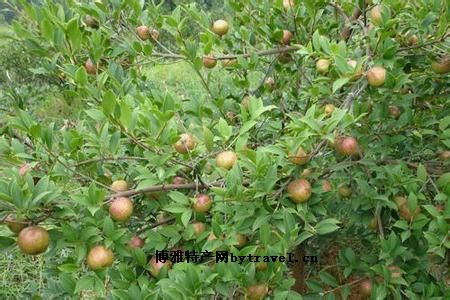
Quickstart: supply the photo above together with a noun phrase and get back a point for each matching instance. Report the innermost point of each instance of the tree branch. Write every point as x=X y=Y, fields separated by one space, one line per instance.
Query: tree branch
x=163 y=187
x=441 y=39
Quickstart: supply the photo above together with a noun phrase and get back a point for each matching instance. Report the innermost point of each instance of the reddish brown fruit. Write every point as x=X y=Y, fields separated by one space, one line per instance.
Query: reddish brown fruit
x=33 y=240
x=136 y=242
x=376 y=76
x=365 y=288
x=394 y=111
x=199 y=228
x=444 y=155
x=242 y=240
x=154 y=34
x=121 y=209
x=220 y=27
x=412 y=40
x=202 y=203
x=326 y=186
x=403 y=209
x=395 y=271
x=14 y=224
x=24 y=169
x=269 y=83
x=119 y=186
x=287 y=37
x=299 y=190
x=143 y=32
x=375 y=15
x=90 y=67
x=373 y=224
x=441 y=66
x=91 y=22
x=157 y=266
x=257 y=291
x=299 y=158
x=178 y=180
x=99 y=257
x=226 y=159
x=261 y=266
x=209 y=61
x=185 y=143
x=230 y=115
x=347 y=146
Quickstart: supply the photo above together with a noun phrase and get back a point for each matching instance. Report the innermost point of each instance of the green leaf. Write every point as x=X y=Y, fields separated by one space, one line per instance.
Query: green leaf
x=186 y=217
x=328 y=279
x=422 y=173
x=126 y=114
x=81 y=77
x=140 y=257
x=74 y=35
x=176 y=208
x=208 y=138
x=339 y=83
x=247 y=126
x=5 y=242
x=444 y=180
x=316 y=40
x=264 y=234
x=327 y=226
x=224 y=129
x=86 y=282
x=69 y=268
x=304 y=236
x=108 y=226
x=109 y=102
x=47 y=30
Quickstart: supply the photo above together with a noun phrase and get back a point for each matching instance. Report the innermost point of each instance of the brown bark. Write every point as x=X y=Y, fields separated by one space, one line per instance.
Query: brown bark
x=298 y=270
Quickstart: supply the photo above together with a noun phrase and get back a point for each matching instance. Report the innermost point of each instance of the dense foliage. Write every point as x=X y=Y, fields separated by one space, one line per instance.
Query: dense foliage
x=324 y=130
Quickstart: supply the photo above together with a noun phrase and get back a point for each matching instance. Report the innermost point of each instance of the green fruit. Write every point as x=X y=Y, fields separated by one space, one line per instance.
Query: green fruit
x=322 y=65
x=220 y=27
x=119 y=186
x=226 y=159
x=344 y=191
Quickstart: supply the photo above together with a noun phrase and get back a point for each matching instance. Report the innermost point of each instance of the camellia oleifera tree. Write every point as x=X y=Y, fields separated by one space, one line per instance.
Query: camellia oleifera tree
x=323 y=130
